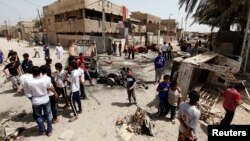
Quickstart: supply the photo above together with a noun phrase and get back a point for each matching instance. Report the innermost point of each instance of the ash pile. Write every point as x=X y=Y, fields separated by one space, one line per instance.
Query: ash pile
x=136 y=124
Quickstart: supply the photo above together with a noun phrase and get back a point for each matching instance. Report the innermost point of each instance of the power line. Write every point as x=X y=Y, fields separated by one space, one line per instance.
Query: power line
x=32 y=3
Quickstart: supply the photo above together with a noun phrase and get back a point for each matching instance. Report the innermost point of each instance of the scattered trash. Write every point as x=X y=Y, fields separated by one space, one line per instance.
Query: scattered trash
x=10 y=133
x=67 y=135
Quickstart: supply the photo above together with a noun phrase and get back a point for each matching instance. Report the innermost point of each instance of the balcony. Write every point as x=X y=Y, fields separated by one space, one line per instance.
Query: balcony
x=96 y=26
x=70 y=26
x=85 y=25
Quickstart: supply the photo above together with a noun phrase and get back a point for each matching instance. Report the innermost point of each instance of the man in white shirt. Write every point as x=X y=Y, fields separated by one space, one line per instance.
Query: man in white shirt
x=25 y=79
x=52 y=98
x=189 y=116
x=40 y=100
x=75 y=79
x=59 y=51
x=164 y=50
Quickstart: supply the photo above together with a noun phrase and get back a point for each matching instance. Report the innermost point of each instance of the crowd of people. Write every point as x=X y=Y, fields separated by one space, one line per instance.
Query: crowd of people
x=44 y=88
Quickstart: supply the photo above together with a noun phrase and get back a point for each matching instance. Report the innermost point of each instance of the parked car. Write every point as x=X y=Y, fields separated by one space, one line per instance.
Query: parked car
x=140 y=49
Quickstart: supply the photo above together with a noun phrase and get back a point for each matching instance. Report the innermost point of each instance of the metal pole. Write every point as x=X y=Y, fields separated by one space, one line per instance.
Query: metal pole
x=103 y=27
x=245 y=47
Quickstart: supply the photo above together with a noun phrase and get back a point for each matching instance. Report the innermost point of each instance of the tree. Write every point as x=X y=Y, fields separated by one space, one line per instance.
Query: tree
x=37 y=24
x=217 y=13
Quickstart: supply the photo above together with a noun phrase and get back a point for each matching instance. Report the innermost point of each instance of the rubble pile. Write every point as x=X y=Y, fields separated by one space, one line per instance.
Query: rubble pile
x=7 y=131
x=209 y=96
x=139 y=123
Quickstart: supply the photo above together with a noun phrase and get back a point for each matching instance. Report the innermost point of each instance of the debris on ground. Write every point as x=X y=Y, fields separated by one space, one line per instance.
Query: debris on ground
x=10 y=133
x=136 y=124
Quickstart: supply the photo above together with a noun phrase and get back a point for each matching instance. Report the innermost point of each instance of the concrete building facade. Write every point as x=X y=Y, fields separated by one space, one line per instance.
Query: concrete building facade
x=152 y=22
x=25 y=29
x=66 y=20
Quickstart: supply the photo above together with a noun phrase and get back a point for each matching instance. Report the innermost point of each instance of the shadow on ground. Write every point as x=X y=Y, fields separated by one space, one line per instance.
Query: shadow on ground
x=7 y=91
x=119 y=104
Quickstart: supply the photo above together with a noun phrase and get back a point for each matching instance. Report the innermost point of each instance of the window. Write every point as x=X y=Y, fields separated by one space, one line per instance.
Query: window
x=48 y=21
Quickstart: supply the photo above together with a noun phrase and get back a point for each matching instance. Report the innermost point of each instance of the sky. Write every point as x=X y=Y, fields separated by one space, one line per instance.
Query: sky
x=12 y=11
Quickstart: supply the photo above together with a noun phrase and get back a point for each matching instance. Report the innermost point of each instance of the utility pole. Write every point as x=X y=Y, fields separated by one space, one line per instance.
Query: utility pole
x=7 y=33
x=103 y=27
x=245 y=46
x=40 y=18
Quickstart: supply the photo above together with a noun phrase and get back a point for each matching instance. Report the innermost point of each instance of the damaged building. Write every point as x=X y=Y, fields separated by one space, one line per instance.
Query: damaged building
x=81 y=20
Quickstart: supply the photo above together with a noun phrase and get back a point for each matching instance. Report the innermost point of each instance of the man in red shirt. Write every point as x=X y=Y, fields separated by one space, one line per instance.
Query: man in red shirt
x=232 y=99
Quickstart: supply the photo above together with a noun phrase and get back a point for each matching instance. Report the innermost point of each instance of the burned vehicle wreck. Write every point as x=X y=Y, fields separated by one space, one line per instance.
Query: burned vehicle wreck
x=117 y=78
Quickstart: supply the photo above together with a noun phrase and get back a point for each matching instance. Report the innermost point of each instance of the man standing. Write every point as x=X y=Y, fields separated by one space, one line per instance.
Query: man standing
x=159 y=63
x=40 y=101
x=120 y=48
x=189 y=116
x=59 y=51
x=73 y=48
x=25 y=79
x=52 y=97
x=46 y=51
x=26 y=64
x=131 y=82
x=231 y=101
x=164 y=50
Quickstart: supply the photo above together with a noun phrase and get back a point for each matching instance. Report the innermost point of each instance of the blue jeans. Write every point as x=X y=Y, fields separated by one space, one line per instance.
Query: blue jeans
x=37 y=114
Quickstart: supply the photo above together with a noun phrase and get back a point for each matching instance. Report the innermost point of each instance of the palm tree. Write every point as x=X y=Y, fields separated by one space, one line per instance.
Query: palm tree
x=217 y=13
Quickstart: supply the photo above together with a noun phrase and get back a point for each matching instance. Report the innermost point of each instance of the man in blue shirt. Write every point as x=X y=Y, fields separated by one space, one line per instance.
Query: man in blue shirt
x=159 y=63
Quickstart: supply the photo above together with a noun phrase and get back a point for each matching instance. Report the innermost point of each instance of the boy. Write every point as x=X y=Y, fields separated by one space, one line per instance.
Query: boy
x=82 y=87
x=163 y=89
x=174 y=99
x=131 y=82
x=60 y=85
x=75 y=79
x=26 y=62
x=14 y=73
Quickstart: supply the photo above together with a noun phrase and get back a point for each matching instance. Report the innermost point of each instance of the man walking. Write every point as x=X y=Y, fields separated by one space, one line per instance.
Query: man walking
x=40 y=101
x=46 y=51
x=231 y=101
x=164 y=50
x=59 y=51
x=159 y=63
